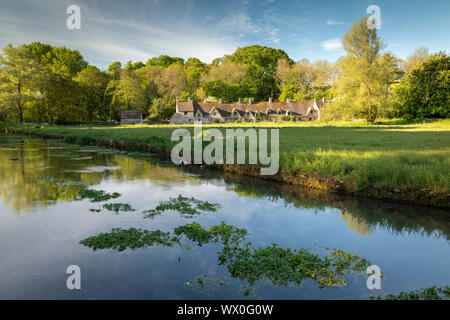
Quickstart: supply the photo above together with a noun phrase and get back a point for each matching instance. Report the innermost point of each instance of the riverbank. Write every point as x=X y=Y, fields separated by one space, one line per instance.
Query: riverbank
x=399 y=162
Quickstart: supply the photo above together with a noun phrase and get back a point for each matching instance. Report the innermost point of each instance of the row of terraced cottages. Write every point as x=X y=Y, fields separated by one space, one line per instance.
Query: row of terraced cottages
x=211 y=112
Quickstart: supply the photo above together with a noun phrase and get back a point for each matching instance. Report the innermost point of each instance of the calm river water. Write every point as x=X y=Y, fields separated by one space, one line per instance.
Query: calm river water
x=41 y=227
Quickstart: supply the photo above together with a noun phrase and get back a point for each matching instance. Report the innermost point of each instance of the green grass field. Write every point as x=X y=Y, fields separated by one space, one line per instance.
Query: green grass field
x=391 y=155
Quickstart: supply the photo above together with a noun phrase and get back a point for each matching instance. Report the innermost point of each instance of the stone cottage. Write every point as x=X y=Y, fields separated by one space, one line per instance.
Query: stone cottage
x=211 y=112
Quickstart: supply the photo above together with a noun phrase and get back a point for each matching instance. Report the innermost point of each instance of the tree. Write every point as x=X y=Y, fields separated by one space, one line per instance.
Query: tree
x=128 y=93
x=195 y=69
x=295 y=79
x=261 y=64
x=59 y=60
x=114 y=70
x=228 y=72
x=20 y=76
x=226 y=91
x=93 y=83
x=424 y=92
x=164 y=61
x=172 y=80
x=162 y=108
x=61 y=101
x=416 y=59
x=366 y=74
x=325 y=72
x=134 y=66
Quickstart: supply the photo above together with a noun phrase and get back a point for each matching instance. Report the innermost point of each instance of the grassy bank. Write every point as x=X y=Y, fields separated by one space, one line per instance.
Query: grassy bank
x=393 y=160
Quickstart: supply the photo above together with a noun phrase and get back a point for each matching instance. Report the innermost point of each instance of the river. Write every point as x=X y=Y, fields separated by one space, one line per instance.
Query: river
x=41 y=226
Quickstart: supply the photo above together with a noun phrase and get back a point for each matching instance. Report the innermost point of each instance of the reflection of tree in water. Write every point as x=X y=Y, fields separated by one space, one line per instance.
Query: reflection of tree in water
x=356 y=225
x=362 y=215
x=21 y=185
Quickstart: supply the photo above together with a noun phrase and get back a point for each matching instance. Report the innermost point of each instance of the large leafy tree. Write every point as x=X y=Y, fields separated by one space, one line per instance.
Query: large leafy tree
x=93 y=84
x=114 y=70
x=416 y=59
x=195 y=69
x=424 y=91
x=61 y=102
x=59 y=60
x=366 y=75
x=164 y=61
x=128 y=94
x=20 y=79
x=261 y=65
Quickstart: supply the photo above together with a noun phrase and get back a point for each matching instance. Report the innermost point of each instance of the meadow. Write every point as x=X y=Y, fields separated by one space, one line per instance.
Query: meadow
x=394 y=154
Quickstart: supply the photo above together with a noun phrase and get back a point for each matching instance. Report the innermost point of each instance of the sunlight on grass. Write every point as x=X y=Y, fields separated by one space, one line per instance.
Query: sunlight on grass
x=393 y=154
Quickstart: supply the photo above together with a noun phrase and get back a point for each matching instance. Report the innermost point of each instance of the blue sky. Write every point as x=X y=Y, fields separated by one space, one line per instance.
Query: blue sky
x=137 y=30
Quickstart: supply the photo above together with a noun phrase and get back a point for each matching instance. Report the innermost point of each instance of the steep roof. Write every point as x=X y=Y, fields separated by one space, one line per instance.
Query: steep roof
x=187 y=106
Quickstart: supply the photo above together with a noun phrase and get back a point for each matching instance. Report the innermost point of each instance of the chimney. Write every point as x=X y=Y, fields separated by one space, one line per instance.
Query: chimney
x=220 y=101
x=205 y=100
x=189 y=99
x=176 y=104
x=240 y=101
x=178 y=99
x=288 y=100
x=249 y=101
x=270 y=100
x=323 y=99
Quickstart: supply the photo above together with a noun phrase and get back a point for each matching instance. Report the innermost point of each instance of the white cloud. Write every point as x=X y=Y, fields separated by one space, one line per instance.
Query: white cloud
x=332 y=44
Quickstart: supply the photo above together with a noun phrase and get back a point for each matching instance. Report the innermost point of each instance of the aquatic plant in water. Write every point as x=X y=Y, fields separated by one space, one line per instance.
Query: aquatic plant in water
x=226 y=234
x=118 y=207
x=97 y=195
x=121 y=239
x=245 y=261
x=187 y=207
x=279 y=265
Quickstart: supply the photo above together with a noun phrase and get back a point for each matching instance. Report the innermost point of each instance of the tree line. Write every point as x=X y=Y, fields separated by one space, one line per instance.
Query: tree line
x=44 y=83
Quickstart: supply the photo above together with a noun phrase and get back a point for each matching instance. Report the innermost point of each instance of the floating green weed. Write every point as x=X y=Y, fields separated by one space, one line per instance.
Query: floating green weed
x=121 y=239
x=95 y=210
x=226 y=234
x=194 y=232
x=281 y=266
x=97 y=195
x=244 y=261
x=187 y=207
x=118 y=207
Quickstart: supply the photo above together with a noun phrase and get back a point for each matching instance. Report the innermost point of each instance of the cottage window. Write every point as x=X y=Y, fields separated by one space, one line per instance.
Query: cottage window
x=185 y=113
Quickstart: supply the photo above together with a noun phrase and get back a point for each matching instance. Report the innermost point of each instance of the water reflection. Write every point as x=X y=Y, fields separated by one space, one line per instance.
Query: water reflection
x=41 y=178
x=22 y=186
x=362 y=216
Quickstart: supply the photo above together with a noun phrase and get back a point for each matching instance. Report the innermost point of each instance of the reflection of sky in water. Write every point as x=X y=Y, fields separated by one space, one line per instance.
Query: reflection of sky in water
x=40 y=233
